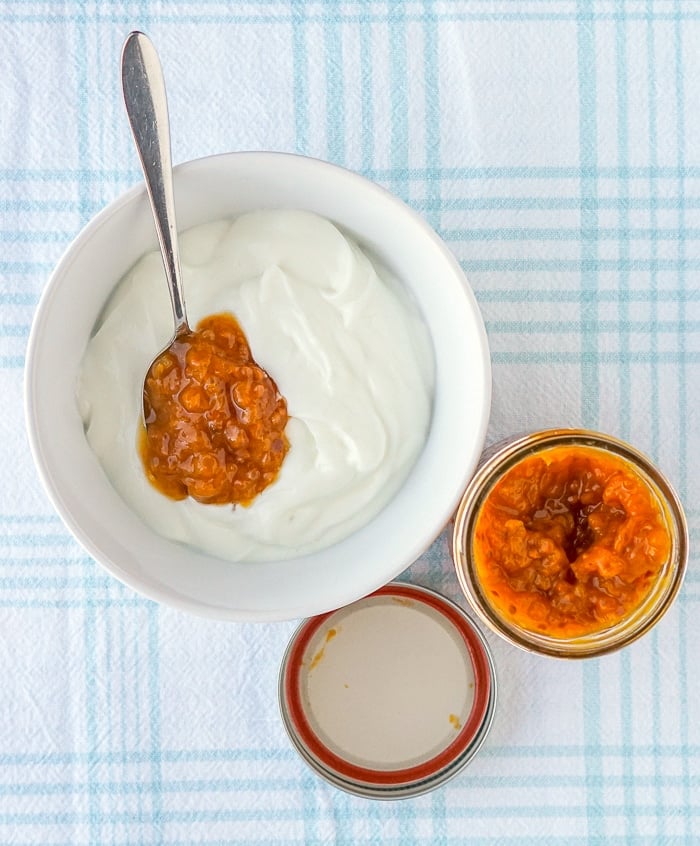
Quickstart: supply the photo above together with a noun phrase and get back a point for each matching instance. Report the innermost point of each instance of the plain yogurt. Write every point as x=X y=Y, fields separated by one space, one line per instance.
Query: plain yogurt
x=342 y=340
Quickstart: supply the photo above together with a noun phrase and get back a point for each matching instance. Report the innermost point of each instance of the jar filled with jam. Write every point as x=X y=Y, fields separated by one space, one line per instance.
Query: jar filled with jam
x=569 y=543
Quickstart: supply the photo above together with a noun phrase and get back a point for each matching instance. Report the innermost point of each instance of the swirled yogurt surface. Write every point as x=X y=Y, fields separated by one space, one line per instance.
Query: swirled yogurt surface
x=342 y=340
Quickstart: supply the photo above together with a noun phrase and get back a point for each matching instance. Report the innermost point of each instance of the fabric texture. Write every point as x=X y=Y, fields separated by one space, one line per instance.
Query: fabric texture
x=555 y=146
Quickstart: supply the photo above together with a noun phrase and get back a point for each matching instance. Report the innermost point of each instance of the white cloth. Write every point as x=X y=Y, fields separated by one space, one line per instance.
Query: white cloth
x=555 y=145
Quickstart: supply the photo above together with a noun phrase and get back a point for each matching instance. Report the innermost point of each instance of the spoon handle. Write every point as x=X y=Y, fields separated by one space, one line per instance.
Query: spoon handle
x=147 y=108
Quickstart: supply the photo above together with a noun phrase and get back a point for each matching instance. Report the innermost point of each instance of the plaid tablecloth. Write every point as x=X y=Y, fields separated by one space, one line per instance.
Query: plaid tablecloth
x=555 y=146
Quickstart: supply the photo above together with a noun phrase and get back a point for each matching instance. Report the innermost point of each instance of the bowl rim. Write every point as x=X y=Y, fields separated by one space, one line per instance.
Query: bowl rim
x=153 y=589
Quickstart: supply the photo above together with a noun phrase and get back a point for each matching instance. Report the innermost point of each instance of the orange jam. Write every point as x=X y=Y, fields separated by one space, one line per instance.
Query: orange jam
x=569 y=541
x=214 y=418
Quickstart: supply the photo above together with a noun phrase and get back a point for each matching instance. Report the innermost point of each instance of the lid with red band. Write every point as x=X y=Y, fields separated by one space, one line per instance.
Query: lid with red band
x=391 y=696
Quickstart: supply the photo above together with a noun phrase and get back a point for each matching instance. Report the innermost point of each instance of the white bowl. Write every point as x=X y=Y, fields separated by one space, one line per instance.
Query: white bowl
x=219 y=187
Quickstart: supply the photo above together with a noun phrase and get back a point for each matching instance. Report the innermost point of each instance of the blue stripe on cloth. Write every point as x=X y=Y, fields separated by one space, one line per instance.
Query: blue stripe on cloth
x=91 y=735
x=399 y=137
x=620 y=235
x=260 y=814
x=124 y=687
x=553 y=295
x=535 y=173
x=458 y=840
x=154 y=717
x=126 y=19
x=110 y=699
x=431 y=58
x=589 y=373
x=619 y=326
x=399 y=157
x=589 y=266
x=626 y=716
x=654 y=435
x=256 y=754
x=300 y=68
x=683 y=440
x=275 y=785
x=367 y=83
x=335 y=92
x=588 y=360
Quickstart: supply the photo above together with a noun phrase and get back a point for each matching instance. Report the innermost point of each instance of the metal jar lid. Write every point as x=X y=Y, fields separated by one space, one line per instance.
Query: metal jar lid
x=391 y=696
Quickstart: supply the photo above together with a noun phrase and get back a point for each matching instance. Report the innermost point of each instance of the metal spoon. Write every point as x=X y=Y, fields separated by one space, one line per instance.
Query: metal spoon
x=147 y=108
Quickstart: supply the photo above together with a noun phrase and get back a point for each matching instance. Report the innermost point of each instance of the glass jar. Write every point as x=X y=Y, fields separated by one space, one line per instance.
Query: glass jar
x=501 y=458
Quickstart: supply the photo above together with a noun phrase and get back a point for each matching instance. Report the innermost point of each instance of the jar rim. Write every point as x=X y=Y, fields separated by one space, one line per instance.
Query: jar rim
x=337 y=762
x=504 y=455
